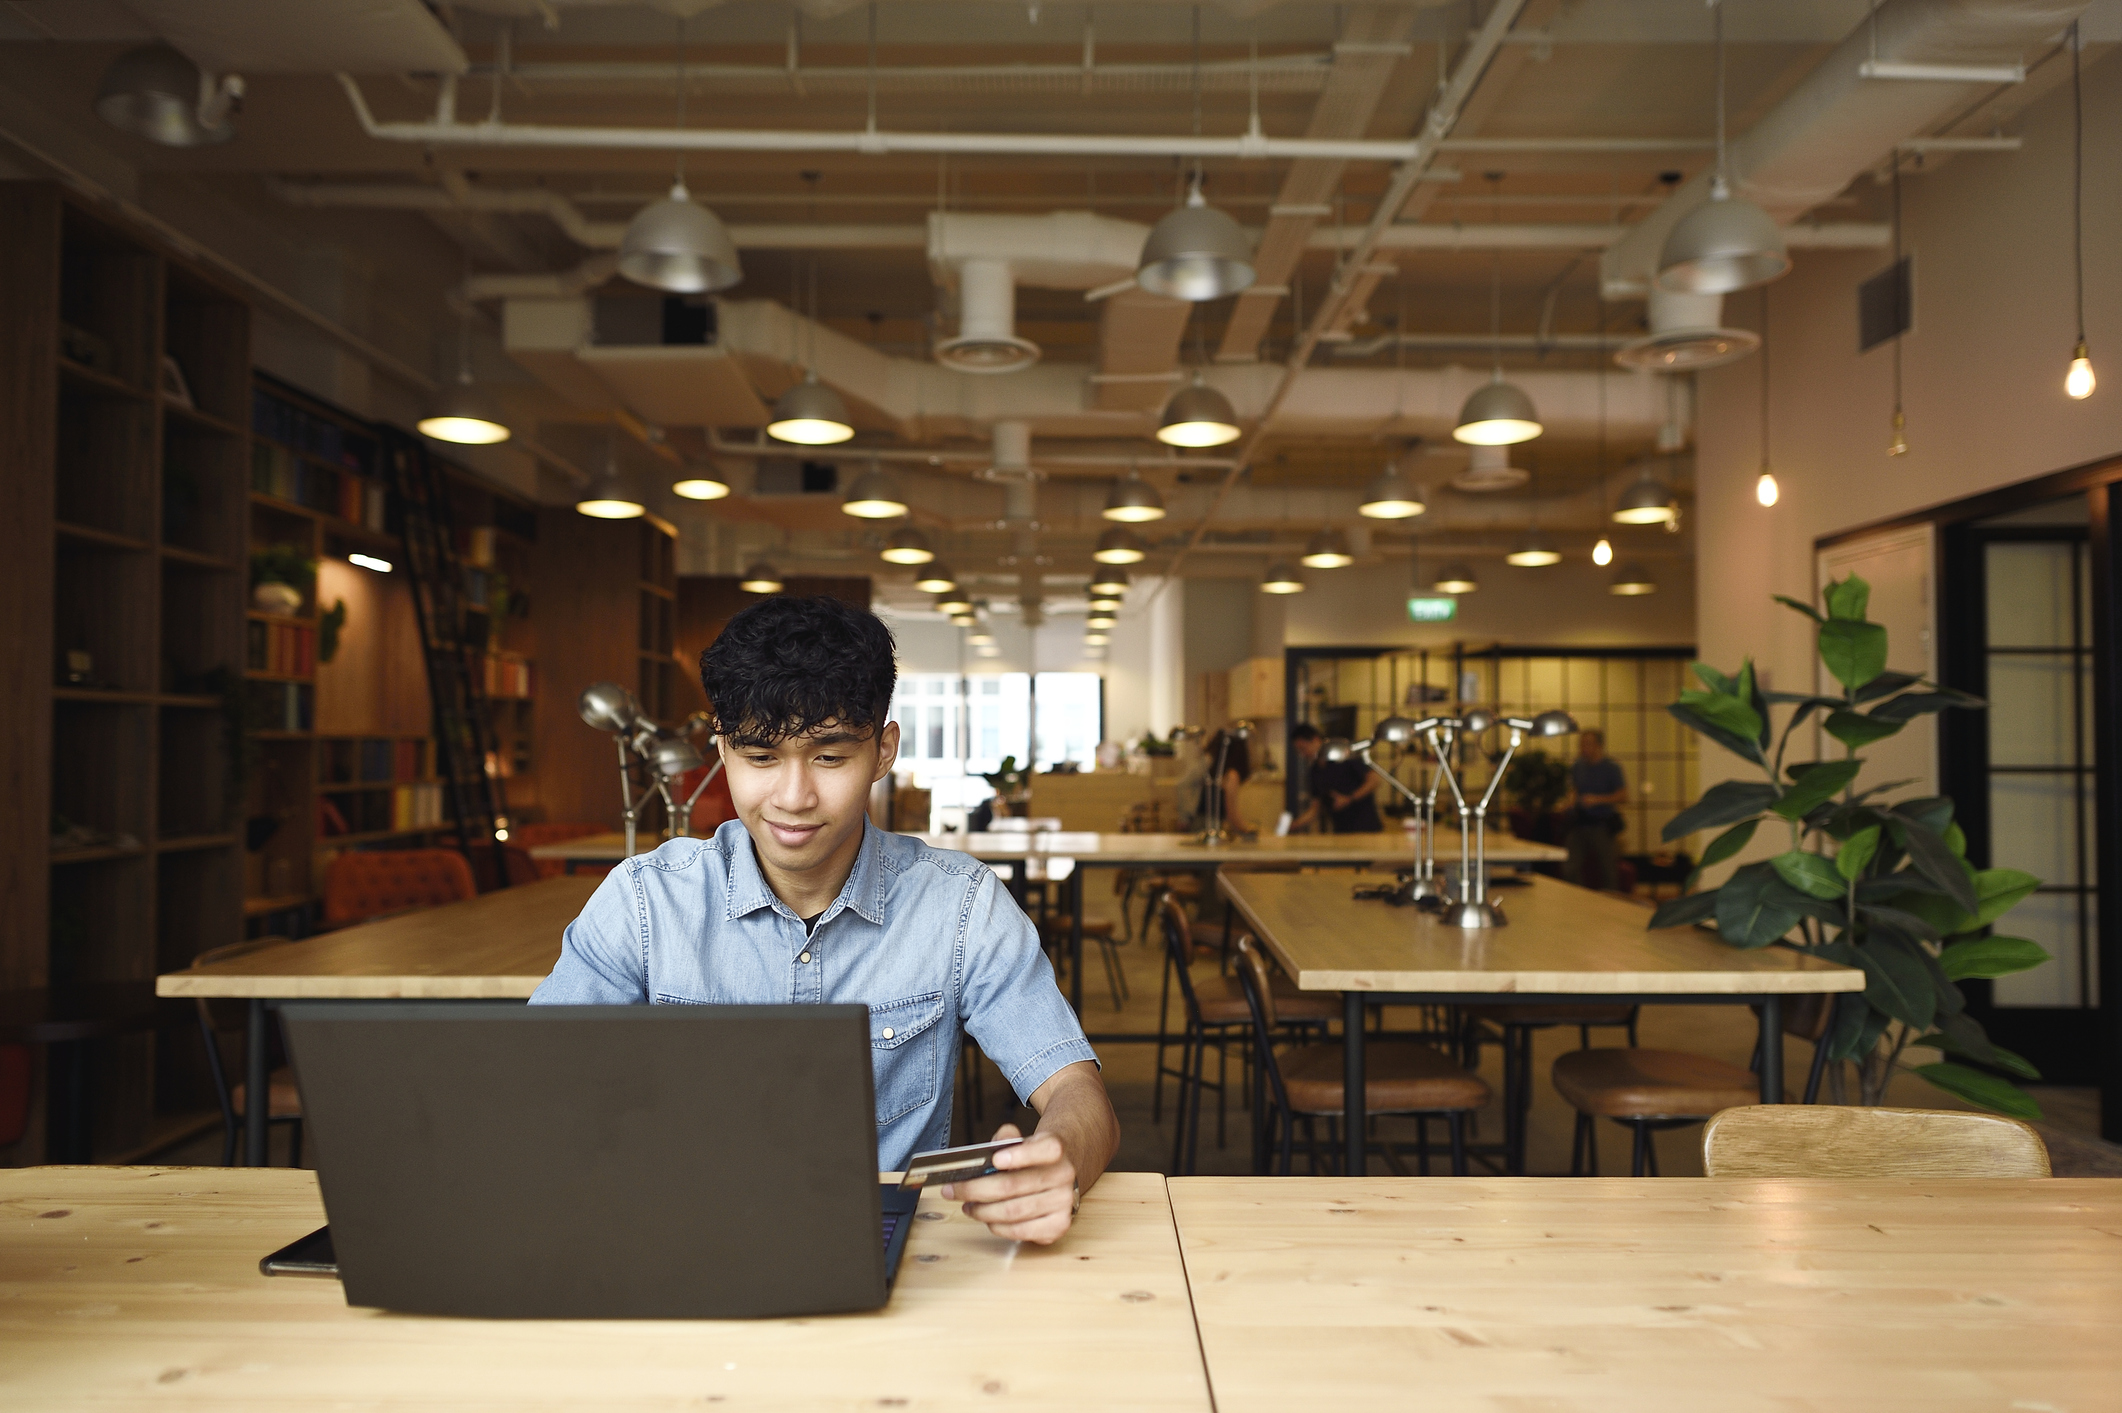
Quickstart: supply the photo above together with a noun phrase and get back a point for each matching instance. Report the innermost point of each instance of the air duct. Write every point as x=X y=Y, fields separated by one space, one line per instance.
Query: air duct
x=1686 y=335
x=987 y=256
x=1488 y=469
x=987 y=339
x=1011 y=457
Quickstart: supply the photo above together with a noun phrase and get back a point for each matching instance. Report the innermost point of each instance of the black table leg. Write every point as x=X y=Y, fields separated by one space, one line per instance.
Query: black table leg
x=1771 y=1049
x=67 y=1136
x=1075 y=937
x=257 y=1087
x=1355 y=1139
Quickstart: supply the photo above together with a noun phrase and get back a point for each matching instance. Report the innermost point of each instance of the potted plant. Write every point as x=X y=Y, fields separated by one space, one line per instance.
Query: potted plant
x=1871 y=883
x=1012 y=786
x=281 y=579
x=1536 y=782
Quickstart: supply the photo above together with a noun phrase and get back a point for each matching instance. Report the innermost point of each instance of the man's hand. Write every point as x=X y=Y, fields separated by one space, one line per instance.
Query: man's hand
x=1031 y=1198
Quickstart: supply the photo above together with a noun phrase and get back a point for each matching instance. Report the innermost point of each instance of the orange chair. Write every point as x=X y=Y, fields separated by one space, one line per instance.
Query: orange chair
x=359 y=886
x=537 y=836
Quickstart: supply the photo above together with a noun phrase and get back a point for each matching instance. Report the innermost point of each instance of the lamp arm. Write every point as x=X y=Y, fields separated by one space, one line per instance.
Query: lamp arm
x=1444 y=768
x=1502 y=766
x=1392 y=780
x=706 y=780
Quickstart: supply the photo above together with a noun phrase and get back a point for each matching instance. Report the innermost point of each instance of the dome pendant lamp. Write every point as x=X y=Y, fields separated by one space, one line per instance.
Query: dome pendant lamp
x=1198 y=416
x=1328 y=550
x=874 y=496
x=1282 y=577
x=907 y=546
x=1108 y=582
x=676 y=244
x=1456 y=578
x=159 y=94
x=1499 y=414
x=810 y=414
x=610 y=494
x=1535 y=551
x=762 y=578
x=1195 y=253
x=1648 y=502
x=1392 y=497
x=1726 y=243
x=1119 y=545
x=1133 y=501
x=704 y=482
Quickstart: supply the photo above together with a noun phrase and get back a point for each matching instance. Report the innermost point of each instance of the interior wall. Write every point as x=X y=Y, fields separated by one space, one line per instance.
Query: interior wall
x=377 y=682
x=1982 y=377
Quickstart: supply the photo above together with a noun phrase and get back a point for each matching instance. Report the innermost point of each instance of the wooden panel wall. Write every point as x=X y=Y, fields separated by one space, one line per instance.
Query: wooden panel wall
x=587 y=576
x=707 y=602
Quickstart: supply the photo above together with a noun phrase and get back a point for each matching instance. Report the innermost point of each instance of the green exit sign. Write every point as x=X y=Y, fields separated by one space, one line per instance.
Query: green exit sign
x=1437 y=610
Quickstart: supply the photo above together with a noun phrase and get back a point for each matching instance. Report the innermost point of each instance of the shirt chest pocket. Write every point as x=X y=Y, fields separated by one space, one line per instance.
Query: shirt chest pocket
x=906 y=1040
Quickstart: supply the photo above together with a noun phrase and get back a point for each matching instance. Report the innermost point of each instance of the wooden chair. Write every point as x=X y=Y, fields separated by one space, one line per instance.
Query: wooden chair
x=283 y=1097
x=1399 y=1077
x=537 y=836
x=1512 y=1027
x=1831 y=1141
x=359 y=886
x=1214 y=1014
x=1053 y=936
x=1645 y=1090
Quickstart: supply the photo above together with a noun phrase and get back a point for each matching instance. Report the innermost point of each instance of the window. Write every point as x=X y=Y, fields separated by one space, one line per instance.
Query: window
x=1071 y=717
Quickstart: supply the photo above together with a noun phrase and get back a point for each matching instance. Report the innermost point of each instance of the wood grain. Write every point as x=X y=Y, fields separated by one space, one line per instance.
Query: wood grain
x=1834 y=1141
x=121 y=1286
x=1654 y=1294
x=1561 y=939
x=1146 y=849
x=498 y=945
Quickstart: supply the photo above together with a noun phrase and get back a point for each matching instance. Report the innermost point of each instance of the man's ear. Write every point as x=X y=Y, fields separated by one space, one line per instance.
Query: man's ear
x=887 y=750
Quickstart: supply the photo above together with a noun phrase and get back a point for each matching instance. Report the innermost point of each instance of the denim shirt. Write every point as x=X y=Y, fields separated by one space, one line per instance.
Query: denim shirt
x=926 y=938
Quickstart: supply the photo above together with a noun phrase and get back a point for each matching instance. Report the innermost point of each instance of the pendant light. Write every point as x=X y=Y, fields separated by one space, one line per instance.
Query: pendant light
x=1120 y=545
x=610 y=494
x=1105 y=603
x=953 y=602
x=874 y=495
x=1133 y=501
x=907 y=546
x=1198 y=416
x=762 y=578
x=157 y=93
x=935 y=579
x=1099 y=621
x=2079 y=382
x=704 y=482
x=810 y=414
x=1534 y=551
x=1648 y=502
x=461 y=413
x=1196 y=252
x=1392 y=497
x=980 y=637
x=1328 y=550
x=1727 y=243
x=1603 y=552
x=1109 y=581
x=1499 y=414
x=1898 y=445
x=1766 y=491
x=1456 y=578
x=1632 y=581
x=676 y=244
x=1282 y=577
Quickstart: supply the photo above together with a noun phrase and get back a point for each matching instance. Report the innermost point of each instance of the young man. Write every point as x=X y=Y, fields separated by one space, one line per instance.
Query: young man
x=1599 y=786
x=1345 y=791
x=798 y=899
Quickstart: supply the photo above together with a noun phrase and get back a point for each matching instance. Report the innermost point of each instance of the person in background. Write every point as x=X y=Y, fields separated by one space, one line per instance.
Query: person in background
x=1601 y=789
x=1219 y=798
x=1343 y=791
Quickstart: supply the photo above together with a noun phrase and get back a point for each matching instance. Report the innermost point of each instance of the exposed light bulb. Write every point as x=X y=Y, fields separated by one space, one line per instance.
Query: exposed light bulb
x=1899 y=445
x=1603 y=552
x=2079 y=382
x=1766 y=490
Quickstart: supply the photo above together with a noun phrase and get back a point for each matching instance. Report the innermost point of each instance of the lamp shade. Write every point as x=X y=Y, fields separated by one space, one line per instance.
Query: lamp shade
x=1392 y=497
x=1648 y=502
x=704 y=482
x=677 y=244
x=1282 y=577
x=761 y=578
x=673 y=756
x=980 y=637
x=1535 y=551
x=1328 y=550
x=874 y=496
x=1456 y=578
x=936 y=578
x=952 y=602
x=1133 y=501
x=1097 y=621
x=1197 y=416
x=611 y=496
x=1120 y=545
x=1497 y=414
x=1104 y=603
x=907 y=546
x=1632 y=581
x=608 y=707
x=1725 y=244
x=1109 y=581
x=810 y=414
x=464 y=415
x=1195 y=253
x=1394 y=731
x=157 y=93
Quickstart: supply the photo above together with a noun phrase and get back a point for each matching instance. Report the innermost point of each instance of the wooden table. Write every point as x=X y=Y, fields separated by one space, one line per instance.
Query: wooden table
x=1562 y=944
x=497 y=946
x=122 y=1287
x=1647 y=1295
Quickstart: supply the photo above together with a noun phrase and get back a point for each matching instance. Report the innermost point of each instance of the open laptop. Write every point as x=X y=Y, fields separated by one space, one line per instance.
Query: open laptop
x=587 y=1162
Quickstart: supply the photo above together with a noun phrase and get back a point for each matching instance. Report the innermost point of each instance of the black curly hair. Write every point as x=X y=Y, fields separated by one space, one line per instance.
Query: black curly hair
x=786 y=666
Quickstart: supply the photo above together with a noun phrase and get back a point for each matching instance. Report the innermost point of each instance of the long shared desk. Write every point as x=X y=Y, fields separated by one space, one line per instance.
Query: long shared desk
x=124 y=1287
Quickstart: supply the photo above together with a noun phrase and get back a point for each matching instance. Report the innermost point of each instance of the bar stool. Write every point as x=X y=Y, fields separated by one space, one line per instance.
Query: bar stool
x=1646 y=1090
x=1512 y=1027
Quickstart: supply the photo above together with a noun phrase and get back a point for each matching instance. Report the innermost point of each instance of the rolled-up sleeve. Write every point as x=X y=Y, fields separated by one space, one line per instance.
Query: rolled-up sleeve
x=603 y=952
x=1008 y=997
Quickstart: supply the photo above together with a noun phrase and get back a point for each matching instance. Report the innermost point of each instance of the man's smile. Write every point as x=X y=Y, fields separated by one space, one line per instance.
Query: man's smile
x=792 y=836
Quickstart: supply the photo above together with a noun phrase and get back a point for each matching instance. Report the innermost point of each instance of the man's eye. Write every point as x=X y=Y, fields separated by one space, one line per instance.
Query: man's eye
x=760 y=760
x=827 y=760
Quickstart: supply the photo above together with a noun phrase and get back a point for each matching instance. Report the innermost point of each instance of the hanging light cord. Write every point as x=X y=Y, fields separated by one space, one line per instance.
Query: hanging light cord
x=1495 y=277
x=681 y=98
x=1764 y=380
x=1900 y=290
x=2077 y=182
x=1722 y=185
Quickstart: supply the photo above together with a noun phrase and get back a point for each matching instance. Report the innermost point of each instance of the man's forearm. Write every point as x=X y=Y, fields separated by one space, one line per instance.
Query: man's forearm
x=1076 y=1110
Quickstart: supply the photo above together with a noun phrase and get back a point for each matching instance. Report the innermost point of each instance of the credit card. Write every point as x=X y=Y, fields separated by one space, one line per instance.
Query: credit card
x=954 y=1164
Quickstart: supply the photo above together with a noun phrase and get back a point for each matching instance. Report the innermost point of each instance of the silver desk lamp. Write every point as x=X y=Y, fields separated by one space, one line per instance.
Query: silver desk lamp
x=669 y=754
x=1214 y=834
x=607 y=706
x=1472 y=909
x=1399 y=731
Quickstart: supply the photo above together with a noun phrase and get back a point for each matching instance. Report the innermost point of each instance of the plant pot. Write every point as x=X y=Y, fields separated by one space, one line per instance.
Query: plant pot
x=282 y=599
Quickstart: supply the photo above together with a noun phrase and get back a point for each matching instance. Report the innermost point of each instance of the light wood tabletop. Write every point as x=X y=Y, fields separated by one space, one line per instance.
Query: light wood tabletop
x=498 y=945
x=1655 y=1294
x=1136 y=849
x=121 y=1287
x=1561 y=939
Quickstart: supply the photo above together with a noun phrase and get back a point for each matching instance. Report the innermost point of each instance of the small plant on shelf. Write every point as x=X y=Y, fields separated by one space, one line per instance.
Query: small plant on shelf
x=1881 y=885
x=282 y=576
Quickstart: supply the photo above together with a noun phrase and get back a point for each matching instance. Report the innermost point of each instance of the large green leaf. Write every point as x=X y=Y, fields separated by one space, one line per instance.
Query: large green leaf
x=1742 y=746
x=1711 y=678
x=1805 y=608
x=1999 y=890
x=1856 y=730
x=1848 y=598
x=1688 y=908
x=1964 y=1036
x=1858 y=1026
x=1756 y=907
x=1980 y=958
x=1730 y=842
x=1721 y=804
x=1856 y=852
x=1915 y=704
x=1809 y=873
x=1909 y=925
x=1734 y=714
x=1885 y=685
x=1930 y=811
x=1930 y=856
x=1816 y=784
x=1982 y=1089
x=1897 y=984
x=1854 y=652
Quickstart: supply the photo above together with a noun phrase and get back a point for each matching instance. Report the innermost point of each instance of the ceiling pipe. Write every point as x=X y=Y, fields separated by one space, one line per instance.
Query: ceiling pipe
x=1095 y=467
x=1837 y=124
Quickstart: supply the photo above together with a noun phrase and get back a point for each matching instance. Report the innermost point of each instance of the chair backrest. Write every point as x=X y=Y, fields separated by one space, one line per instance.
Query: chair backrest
x=1179 y=947
x=1833 y=1141
x=1260 y=1000
x=1252 y=971
x=364 y=885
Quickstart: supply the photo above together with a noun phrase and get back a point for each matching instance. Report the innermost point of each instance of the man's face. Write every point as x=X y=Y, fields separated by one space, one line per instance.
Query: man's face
x=1591 y=747
x=803 y=799
x=1308 y=747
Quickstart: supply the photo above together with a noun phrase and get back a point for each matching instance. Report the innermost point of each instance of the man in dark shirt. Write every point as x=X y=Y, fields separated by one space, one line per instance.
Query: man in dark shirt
x=1343 y=790
x=1593 y=828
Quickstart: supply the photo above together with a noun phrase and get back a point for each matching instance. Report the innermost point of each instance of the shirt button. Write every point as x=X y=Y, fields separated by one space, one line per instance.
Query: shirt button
x=887 y=1032
x=804 y=958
